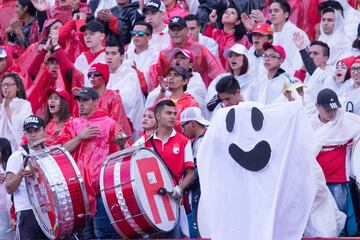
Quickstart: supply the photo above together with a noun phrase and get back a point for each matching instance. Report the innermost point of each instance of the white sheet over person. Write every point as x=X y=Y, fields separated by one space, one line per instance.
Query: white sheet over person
x=259 y=178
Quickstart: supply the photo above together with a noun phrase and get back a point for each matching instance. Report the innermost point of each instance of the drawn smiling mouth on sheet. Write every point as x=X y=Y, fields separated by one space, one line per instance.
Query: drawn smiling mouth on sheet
x=257 y=158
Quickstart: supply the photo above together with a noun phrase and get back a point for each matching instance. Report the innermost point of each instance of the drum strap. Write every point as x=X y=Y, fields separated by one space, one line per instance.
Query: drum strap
x=185 y=198
x=167 y=167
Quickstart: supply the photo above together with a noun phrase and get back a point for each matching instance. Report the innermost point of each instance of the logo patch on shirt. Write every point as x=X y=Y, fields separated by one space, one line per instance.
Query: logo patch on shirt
x=176 y=148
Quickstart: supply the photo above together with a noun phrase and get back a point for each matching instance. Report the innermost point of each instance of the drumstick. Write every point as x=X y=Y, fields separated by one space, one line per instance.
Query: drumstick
x=38 y=142
x=163 y=191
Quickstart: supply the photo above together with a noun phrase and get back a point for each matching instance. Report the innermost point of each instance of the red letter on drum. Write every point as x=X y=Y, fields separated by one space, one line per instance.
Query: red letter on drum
x=150 y=165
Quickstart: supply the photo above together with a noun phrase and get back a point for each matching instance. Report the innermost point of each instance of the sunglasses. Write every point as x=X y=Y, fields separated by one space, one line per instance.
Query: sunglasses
x=138 y=33
x=95 y=74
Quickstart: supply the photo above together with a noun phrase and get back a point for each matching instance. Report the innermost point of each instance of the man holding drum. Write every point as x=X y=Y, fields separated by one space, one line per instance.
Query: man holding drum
x=89 y=140
x=27 y=226
x=175 y=151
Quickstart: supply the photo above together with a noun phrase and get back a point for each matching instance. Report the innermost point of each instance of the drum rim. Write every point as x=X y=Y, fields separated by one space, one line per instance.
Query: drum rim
x=36 y=214
x=137 y=198
x=103 y=196
x=80 y=182
x=133 y=152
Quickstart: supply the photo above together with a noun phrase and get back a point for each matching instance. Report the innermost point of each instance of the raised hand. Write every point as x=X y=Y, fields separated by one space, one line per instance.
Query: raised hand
x=248 y=22
x=299 y=40
x=39 y=5
x=213 y=16
x=257 y=15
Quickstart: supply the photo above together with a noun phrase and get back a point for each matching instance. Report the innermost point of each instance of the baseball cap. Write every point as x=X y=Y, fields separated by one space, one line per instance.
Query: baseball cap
x=185 y=52
x=33 y=122
x=236 y=48
x=348 y=61
x=3 y=53
x=328 y=99
x=193 y=114
x=177 y=22
x=300 y=75
x=155 y=5
x=87 y=93
x=61 y=91
x=277 y=48
x=101 y=68
x=262 y=28
x=94 y=26
x=182 y=71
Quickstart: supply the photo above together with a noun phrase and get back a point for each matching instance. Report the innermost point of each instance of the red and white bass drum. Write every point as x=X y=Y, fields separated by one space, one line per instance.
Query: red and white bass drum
x=57 y=192
x=129 y=181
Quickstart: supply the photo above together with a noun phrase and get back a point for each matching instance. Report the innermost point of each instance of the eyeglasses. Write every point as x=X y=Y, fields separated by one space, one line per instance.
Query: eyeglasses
x=355 y=69
x=7 y=84
x=95 y=74
x=184 y=124
x=138 y=33
x=272 y=57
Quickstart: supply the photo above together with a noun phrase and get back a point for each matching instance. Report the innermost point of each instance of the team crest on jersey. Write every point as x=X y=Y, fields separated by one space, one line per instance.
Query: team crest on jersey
x=176 y=148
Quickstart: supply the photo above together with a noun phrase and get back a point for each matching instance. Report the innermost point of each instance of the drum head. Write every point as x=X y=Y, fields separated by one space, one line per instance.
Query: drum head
x=150 y=174
x=51 y=194
x=41 y=196
x=355 y=160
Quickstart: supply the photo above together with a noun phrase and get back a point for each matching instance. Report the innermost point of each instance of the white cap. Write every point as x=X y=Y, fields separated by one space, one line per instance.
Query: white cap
x=236 y=48
x=193 y=114
x=2 y=53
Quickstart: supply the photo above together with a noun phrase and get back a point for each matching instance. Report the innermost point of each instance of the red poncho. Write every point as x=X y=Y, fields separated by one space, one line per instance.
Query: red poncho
x=205 y=63
x=91 y=153
x=186 y=101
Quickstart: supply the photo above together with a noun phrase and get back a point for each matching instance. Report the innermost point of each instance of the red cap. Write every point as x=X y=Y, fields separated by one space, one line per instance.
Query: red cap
x=185 y=52
x=356 y=60
x=348 y=61
x=277 y=48
x=262 y=28
x=101 y=68
x=62 y=92
x=300 y=74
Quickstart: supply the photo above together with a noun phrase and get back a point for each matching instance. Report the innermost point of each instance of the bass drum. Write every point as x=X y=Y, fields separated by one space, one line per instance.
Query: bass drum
x=129 y=183
x=57 y=192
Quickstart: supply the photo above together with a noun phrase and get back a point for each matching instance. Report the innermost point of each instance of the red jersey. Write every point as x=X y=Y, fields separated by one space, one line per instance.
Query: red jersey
x=176 y=152
x=332 y=160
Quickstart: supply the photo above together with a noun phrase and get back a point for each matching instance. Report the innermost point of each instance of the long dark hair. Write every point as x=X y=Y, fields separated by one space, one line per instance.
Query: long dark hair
x=240 y=30
x=19 y=83
x=245 y=66
x=64 y=112
x=5 y=150
x=27 y=3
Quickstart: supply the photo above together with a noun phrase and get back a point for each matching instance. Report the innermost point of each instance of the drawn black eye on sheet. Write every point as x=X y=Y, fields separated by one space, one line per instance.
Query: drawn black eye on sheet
x=257 y=158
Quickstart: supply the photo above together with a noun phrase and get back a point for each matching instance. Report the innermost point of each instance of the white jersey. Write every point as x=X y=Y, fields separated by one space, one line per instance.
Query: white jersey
x=125 y=80
x=14 y=164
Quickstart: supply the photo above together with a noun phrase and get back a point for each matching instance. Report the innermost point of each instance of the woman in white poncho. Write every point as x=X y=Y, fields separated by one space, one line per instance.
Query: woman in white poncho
x=14 y=109
x=239 y=66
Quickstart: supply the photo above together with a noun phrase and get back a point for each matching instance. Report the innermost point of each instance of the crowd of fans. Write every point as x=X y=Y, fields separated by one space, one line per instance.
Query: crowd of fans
x=87 y=72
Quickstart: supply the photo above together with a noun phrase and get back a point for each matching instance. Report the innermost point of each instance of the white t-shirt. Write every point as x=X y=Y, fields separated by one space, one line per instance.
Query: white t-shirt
x=21 y=198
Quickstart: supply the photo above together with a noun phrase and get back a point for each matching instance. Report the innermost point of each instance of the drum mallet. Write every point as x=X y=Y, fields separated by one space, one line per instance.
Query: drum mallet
x=121 y=139
x=163 y=191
